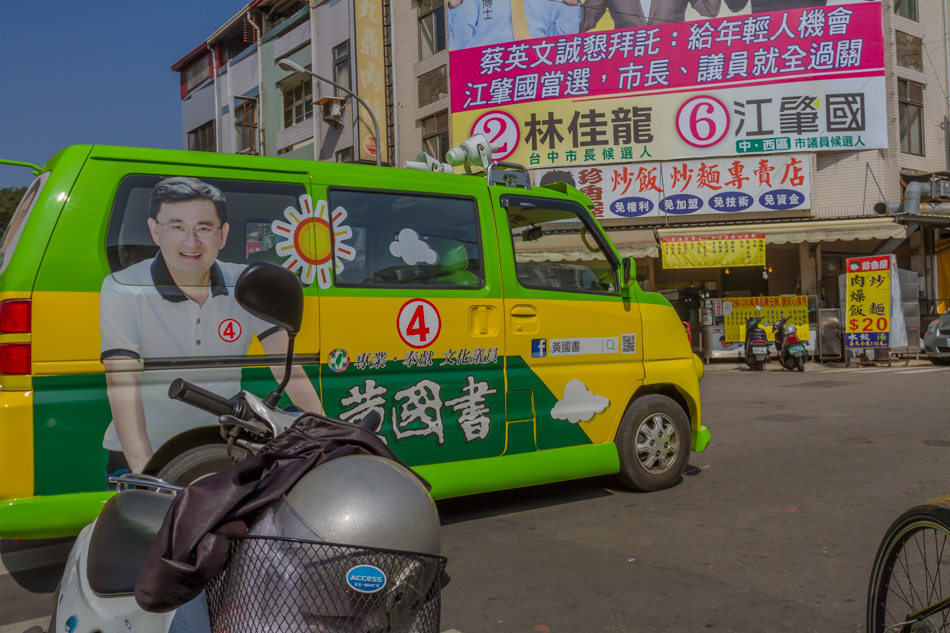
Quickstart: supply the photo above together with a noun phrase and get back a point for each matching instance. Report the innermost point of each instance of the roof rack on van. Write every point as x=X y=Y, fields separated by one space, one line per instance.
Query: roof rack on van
x=508 y=174
x=20 y=163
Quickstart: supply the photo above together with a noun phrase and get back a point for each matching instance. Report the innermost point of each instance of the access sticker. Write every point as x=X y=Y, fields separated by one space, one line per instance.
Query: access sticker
x=366 y=578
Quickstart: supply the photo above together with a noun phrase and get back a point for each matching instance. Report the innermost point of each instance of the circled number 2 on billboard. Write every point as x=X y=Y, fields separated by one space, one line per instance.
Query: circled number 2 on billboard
x=418 y=323
x=702 y=121
x=501 y=130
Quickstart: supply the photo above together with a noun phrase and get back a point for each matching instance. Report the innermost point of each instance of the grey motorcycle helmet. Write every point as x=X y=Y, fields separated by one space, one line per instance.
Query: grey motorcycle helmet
x=363 y=501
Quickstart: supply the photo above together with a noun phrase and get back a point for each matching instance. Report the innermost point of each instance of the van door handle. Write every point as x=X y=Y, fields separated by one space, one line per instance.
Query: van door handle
x=524 y=311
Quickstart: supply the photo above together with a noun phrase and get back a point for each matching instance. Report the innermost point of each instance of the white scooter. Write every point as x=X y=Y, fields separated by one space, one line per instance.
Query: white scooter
x=364 y=567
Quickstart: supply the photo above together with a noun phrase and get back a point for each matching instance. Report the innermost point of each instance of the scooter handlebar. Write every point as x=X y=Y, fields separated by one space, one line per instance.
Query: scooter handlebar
x=203 y=399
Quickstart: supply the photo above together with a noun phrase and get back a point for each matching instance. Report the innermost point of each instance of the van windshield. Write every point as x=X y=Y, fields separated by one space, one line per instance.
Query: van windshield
x=12 y=234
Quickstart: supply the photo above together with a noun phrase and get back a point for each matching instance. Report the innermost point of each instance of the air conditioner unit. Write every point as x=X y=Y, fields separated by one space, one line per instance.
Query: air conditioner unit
x=333 y=109
x=941 y=188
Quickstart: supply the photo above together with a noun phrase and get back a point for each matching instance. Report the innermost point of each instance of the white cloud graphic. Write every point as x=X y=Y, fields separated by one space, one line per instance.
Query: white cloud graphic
x=412 y=250
x=579 y=404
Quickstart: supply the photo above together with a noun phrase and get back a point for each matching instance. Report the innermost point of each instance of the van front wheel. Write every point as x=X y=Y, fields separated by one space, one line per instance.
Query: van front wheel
x=196 y=463
x=653 y=443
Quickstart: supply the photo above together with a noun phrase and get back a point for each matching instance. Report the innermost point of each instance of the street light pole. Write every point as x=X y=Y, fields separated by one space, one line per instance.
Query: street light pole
x=288 y=64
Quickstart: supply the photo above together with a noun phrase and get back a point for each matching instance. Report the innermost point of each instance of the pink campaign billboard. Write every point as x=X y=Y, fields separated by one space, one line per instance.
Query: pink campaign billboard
x=808 y=78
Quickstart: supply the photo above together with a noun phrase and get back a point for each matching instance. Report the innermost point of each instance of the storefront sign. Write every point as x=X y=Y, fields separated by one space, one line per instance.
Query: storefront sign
x=715 y=186
x=868 y=301
x=773 y=309
x=371 y=78
x=563 y=88
x=713 y=251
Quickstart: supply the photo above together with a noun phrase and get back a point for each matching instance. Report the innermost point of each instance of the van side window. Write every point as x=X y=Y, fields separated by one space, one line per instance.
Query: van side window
x=555 y=249
x=15 y=227
x=410 y=240
x=251 y=209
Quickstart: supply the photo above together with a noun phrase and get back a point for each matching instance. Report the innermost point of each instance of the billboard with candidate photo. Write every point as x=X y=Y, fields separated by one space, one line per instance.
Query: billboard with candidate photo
x=561 y=83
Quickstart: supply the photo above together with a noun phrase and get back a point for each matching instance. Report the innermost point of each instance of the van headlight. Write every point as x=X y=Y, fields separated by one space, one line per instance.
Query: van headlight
x=932 y=327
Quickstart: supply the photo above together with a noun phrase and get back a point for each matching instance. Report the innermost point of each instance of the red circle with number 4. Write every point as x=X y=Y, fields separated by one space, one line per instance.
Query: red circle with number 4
x=418 y=323
x=229 y=330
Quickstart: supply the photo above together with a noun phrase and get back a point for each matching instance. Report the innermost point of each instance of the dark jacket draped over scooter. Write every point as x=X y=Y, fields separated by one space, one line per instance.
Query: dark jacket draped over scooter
x=192 y=545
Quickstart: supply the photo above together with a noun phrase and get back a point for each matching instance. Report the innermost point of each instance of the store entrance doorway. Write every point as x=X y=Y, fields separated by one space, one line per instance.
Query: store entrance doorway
x=745 y=281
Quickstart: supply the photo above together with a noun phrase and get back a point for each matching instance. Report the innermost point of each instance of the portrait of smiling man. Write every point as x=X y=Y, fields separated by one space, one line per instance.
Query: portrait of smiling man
x=178 y=305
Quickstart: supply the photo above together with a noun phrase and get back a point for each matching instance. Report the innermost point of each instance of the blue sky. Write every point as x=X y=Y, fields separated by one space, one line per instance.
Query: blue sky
x=95 y=72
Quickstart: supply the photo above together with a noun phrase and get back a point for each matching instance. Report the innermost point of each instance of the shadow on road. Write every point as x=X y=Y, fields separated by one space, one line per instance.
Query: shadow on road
x=495 y=504
x=35 y=566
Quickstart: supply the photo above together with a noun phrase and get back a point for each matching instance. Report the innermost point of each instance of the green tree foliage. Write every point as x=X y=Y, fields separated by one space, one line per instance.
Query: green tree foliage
x=9 y=199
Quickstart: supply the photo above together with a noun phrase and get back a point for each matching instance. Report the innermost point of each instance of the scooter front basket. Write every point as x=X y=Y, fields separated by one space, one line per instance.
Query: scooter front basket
x=276 y=585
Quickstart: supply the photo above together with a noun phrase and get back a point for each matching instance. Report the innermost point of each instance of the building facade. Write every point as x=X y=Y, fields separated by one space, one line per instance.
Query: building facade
x=396 y=56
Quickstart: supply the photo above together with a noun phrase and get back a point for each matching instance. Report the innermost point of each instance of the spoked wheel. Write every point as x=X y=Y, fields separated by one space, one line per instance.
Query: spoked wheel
x=909 y=590
x=653 y=443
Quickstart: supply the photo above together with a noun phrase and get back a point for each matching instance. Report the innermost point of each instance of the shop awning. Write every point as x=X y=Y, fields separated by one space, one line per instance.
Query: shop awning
x=877 y=228
x=640 y=243
x=883 y=228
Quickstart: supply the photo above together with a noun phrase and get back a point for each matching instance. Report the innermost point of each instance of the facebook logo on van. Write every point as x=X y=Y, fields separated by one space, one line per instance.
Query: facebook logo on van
x=539 y=347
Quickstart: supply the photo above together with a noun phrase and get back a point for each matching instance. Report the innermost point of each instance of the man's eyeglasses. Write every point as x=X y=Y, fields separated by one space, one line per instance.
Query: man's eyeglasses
x=181 y=230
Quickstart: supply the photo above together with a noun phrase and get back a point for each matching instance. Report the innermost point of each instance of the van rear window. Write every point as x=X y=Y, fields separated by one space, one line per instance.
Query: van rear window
x=12 y=235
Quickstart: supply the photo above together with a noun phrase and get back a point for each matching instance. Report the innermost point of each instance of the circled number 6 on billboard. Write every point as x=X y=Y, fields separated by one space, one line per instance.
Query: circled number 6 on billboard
x=702 y=121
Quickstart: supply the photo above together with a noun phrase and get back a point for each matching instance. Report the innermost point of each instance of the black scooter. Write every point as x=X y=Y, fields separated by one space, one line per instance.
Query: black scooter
x=756 y=343
x=790 y=349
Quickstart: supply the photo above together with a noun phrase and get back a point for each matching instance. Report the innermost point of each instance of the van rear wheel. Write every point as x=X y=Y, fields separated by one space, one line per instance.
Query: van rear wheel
x=653 y=443
x=198 y=462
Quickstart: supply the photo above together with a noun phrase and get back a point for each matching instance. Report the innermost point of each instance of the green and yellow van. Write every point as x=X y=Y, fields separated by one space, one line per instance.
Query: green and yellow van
x=492 y=324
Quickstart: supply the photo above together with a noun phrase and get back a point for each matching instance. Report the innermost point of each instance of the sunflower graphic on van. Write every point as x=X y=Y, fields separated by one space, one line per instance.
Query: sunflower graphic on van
x=314 y=241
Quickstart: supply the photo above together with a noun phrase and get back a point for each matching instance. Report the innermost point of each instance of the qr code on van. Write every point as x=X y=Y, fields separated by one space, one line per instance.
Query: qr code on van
x=628 y=343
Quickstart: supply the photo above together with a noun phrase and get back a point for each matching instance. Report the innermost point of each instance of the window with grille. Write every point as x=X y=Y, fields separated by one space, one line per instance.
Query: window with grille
x=910 y=98
x=298 y=103
x=435 y=135
x=245 y=124
x=431 y=27
x=197 y=72
x=202 y=139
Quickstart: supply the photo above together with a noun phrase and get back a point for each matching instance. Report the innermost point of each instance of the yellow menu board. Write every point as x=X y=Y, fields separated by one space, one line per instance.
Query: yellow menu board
x=713 y=251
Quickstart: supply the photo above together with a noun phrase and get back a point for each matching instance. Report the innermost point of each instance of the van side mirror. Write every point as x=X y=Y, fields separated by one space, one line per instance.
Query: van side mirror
x=628 y=268
x=628 y=276
x=272 y=293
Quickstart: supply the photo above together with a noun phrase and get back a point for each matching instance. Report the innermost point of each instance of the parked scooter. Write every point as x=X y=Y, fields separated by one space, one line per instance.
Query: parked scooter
x=353 y=544
x=756 y=343
x=791 y=350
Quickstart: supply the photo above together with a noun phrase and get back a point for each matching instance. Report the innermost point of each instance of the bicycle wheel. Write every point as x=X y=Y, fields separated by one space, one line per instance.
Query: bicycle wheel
x=909 y=591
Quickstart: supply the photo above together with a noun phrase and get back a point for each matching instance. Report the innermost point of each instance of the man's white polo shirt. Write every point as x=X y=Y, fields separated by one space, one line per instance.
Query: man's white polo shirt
x=144 y=315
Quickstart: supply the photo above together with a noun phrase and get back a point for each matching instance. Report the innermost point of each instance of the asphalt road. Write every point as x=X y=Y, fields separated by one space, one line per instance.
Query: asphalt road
x=774 y=527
